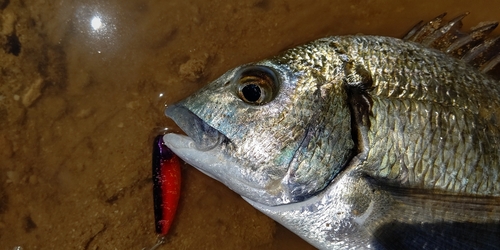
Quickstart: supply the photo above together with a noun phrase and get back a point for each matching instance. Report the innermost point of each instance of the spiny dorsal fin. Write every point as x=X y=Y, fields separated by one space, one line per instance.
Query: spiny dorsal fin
x=473 y=47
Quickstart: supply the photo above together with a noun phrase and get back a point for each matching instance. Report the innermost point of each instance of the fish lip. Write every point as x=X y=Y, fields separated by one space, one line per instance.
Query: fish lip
x=182 y=142
x=204 y=136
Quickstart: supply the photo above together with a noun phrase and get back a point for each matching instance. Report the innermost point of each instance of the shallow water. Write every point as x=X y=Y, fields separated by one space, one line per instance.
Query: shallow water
x=82 y=92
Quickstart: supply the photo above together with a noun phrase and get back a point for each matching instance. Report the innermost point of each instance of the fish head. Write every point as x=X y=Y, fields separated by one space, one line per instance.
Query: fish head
x=275 y=131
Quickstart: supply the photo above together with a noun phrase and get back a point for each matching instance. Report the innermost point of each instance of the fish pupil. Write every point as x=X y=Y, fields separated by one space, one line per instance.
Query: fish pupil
x=251 y=92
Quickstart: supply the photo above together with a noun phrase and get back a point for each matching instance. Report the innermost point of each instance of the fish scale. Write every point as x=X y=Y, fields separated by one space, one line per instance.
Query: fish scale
x=396 y=78
x=442 y=135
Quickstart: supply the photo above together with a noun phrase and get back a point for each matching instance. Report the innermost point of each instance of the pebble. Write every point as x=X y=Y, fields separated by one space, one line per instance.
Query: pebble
x=8 y=23
x=133 y=104
x=33 y=180
x=13 y=177
x=33 y=92
x=84 y=113
x=194 y=68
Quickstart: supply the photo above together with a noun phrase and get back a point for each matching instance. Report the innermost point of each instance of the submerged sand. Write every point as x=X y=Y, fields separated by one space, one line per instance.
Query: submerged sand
x=83 y=88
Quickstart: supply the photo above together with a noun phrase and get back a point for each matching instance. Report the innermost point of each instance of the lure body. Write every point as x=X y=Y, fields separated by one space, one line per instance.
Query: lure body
x=166 y=185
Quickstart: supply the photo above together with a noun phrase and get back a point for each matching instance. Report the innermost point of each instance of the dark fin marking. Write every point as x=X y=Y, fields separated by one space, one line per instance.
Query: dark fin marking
x=439 y=235
x=421 y=219
x=472 y=47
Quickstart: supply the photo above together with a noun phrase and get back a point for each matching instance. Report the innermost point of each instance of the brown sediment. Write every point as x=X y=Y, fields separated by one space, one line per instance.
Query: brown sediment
x=80 y=103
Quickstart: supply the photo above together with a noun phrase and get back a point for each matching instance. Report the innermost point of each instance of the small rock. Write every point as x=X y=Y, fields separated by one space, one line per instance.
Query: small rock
x=13 y=177
x=133 y=104
x=194 y=68
x=33 y=179
x=8 y=23
x=80 y=166
x=33 y=92
x=84 y=113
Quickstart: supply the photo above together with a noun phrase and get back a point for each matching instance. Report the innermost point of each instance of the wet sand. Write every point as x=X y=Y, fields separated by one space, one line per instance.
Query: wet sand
x=83 y=88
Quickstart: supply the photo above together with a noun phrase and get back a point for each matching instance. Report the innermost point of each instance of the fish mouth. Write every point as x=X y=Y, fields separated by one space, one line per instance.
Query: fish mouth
x=204 y=136
x=204 y=149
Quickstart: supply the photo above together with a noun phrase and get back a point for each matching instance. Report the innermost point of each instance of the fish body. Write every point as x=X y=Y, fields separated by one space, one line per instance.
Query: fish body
x=358 y=141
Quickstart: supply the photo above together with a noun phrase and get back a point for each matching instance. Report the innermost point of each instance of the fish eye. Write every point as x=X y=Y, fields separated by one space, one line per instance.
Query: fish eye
x=256 y=85
x=251 y=92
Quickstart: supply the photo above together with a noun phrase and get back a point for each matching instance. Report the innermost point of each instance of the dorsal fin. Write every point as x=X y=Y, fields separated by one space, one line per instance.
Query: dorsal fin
x=473 y=47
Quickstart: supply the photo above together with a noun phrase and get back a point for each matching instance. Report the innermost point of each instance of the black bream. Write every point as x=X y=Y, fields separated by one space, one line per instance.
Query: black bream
x=357 y=142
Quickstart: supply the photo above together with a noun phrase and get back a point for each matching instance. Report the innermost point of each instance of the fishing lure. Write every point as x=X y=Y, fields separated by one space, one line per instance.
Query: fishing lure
x=166 y=187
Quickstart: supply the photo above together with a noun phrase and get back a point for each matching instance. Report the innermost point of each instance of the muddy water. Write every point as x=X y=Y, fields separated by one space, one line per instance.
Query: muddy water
x=82 y=91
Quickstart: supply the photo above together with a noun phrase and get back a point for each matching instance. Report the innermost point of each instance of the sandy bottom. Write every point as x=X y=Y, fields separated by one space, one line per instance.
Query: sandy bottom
x=83 y=88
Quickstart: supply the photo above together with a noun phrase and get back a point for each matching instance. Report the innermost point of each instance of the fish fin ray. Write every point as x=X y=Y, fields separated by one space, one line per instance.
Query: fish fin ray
x=472 y=47
x=422 y=29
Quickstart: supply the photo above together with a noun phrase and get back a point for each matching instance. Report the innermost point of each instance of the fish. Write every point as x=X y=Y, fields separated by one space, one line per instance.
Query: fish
x=358 y=141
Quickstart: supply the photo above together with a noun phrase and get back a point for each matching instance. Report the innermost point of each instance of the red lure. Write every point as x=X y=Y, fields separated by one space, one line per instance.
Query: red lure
x=166 y=185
